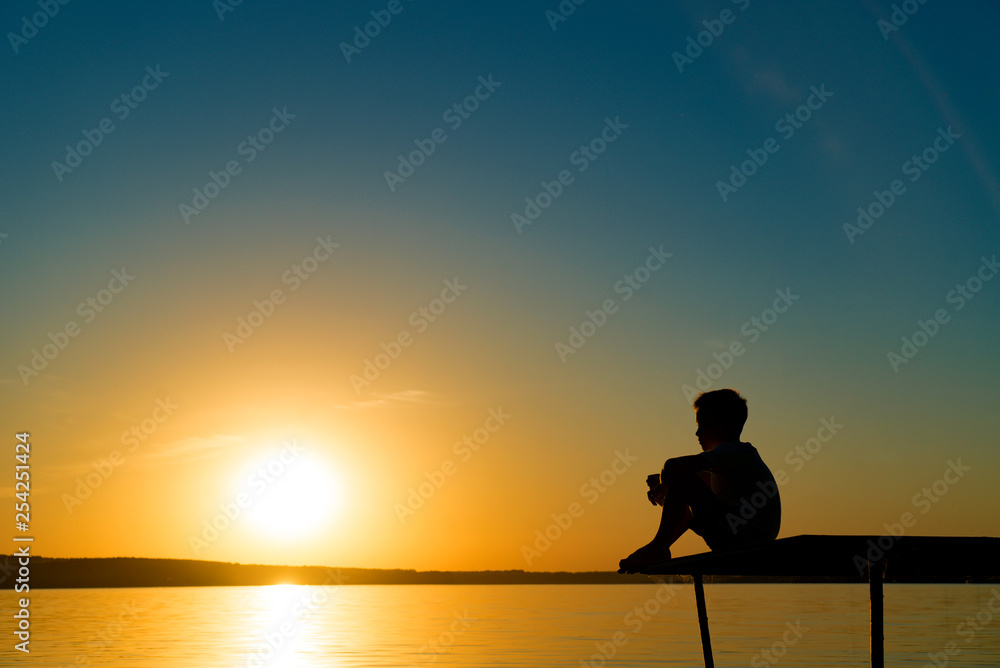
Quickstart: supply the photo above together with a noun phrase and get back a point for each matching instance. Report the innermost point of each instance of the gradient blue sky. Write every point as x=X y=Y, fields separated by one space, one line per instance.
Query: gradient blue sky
x=655 y=185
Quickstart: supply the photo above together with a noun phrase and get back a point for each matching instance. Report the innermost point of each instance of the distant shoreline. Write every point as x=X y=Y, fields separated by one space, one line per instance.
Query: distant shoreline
x=111 y=572
x=118 y=572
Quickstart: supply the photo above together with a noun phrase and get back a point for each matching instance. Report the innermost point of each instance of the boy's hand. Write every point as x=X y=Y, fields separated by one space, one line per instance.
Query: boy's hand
x=657 y=491
x=658 y=495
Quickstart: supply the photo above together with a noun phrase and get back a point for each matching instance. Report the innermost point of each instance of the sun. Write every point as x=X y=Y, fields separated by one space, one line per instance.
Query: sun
x=293 y=498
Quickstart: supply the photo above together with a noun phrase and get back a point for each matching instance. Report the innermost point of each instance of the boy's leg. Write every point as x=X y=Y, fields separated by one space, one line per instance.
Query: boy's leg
x=687 y=497
x=707 y=513
x=690 y=504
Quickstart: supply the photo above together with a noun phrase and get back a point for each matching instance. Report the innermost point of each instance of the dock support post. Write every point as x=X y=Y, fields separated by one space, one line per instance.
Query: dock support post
x=706 y=641
x=875 y=570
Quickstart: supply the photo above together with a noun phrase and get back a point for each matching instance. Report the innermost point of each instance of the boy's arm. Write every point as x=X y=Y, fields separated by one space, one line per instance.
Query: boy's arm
x=677 y=465
x=685 y=464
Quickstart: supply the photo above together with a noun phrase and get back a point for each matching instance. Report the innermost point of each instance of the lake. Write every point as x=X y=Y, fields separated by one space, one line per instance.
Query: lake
x=347 y=626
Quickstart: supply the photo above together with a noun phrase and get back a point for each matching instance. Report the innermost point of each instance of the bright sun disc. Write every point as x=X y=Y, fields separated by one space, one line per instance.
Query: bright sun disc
x=293 y=500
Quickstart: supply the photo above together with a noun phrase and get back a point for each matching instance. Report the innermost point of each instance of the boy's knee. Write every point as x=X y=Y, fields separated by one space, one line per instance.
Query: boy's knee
x=673 y=474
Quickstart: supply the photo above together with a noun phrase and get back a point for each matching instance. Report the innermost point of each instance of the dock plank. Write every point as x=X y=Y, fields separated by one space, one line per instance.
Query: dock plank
x=823 y=558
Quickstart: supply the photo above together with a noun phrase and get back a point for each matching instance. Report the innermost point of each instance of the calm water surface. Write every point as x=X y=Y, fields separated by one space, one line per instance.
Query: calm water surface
x=289 y=626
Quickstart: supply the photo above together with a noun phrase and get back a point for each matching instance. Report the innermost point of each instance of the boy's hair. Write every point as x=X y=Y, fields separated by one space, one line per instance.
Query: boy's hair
x=725 y=408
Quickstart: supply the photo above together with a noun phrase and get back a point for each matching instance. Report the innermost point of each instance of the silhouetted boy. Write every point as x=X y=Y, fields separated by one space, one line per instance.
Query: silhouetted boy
x=726 y=494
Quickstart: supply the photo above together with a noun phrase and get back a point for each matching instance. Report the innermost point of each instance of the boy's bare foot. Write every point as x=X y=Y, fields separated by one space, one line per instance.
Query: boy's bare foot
x=644 y=556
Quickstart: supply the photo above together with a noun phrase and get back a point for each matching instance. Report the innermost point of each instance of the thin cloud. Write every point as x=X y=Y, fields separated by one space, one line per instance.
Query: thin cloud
x=394 y=398
x=193 y=448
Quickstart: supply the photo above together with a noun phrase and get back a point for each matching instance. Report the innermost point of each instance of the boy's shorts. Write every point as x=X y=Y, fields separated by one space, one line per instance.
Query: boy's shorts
x=713 y=525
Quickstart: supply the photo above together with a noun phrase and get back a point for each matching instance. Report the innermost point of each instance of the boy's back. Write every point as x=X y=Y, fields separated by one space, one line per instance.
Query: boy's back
x=744 y=483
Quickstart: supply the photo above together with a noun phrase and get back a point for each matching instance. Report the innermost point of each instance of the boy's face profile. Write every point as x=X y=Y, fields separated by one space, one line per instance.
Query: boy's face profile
x=710 y=432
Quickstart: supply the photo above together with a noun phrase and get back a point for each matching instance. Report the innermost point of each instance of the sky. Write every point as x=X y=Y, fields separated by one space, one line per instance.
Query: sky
x=440 y=295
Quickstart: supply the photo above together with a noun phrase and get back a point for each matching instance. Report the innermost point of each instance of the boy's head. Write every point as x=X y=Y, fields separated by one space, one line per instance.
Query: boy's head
x=721 y=415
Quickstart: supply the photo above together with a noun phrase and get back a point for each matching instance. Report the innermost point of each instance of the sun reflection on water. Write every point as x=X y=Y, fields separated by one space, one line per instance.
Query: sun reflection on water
x=282 y=626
